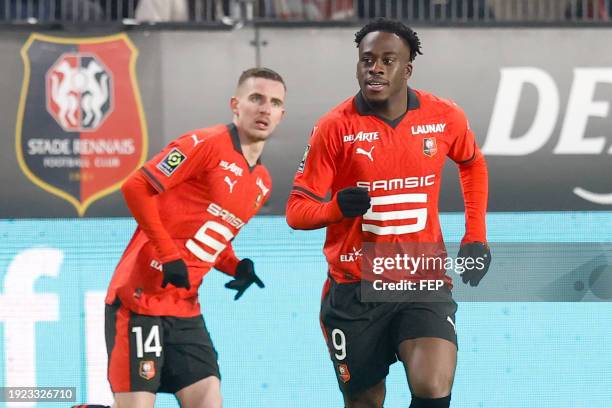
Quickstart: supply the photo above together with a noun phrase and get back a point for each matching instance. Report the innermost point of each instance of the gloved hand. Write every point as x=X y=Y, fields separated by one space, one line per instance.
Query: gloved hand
x=175 y=272
x=353 y=201
x=244 y=277
x=475 y=250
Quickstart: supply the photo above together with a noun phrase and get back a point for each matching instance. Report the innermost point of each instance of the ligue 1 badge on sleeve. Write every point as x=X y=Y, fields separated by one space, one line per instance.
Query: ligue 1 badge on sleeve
x=80 y=128
x=303 y=161
x=171 y=162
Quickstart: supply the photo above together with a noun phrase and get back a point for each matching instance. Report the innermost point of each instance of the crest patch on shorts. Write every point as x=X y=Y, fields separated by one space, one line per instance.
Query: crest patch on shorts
x=147 y=369
x=343 y=373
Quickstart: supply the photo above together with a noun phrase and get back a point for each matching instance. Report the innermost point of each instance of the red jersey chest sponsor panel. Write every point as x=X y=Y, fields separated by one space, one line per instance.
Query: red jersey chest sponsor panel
x=207 y=193
x=399 y=162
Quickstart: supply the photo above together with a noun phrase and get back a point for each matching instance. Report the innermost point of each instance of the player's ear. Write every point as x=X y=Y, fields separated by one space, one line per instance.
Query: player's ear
x=234 y=105
x=408 y=70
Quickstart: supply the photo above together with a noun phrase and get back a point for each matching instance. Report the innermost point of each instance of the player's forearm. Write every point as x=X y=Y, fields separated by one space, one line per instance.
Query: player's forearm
x=306 y=214
x=475 y=187
x=140 y=198
x=227 y=261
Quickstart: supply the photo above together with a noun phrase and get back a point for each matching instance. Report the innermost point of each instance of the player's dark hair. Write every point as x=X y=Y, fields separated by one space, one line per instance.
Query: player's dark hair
x=265 y=73
x=396 y=27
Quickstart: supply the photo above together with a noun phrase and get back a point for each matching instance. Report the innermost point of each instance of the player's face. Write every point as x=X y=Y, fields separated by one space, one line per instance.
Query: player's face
x=258 y=107
x=384 y=67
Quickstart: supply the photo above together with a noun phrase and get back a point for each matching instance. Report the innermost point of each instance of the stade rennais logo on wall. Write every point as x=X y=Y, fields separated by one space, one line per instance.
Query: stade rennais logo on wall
x=80 y=125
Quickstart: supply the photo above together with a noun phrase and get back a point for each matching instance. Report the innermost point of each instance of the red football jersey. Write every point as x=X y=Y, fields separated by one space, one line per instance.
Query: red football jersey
x=399 y=162
x=207 y=193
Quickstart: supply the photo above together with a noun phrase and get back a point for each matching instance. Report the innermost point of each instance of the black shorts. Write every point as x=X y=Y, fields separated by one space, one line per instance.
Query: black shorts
x=156 y=353
x=363 y=337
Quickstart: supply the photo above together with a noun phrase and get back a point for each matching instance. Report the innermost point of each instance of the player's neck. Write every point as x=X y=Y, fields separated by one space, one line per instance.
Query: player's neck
x=251 y=149
x=392 y=108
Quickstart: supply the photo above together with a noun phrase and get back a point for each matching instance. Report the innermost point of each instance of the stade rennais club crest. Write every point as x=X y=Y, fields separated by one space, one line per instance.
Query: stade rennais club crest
x=80 y=124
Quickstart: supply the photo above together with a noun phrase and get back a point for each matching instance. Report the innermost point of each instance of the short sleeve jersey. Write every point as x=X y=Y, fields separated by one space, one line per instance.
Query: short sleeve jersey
x=399 y=162
x=207 y=193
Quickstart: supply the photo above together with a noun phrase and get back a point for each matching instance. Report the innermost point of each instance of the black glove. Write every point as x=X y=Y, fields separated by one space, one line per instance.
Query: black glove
x=353 y=201
x=245 y=277
x=175 y=272
x=479 y=267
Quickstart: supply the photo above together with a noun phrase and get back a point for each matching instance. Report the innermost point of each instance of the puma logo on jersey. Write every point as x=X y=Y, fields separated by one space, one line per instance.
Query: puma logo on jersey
x=233 y=167
x=365 y=152
x=425 y=129
x=262 y=186
x=361 y=137
x=230 y=183
x=196 y=141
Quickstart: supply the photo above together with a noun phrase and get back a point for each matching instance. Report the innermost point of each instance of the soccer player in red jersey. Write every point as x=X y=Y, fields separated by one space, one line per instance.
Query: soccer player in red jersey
x=381 y=155
x=190 y=201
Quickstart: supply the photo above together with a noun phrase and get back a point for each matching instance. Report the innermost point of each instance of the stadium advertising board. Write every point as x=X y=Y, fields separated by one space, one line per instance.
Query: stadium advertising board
x=542 y=119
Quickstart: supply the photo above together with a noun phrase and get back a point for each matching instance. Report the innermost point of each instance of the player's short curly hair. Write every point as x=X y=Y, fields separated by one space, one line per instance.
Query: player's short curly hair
x=258 y=72
x=396 y=27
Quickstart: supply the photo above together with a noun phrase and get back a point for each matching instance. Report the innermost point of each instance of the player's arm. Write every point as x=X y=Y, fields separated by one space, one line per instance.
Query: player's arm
x=140 y=198
x=178 y=162
x=227 y=261
x=473 y=176
x=306 y=207
x=307 y=212
x=243 y=271
x=474 y=181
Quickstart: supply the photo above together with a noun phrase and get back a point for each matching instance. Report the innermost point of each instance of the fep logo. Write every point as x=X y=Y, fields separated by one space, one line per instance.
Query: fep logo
x=573 y=140
x=80 y=128
x=79 y=92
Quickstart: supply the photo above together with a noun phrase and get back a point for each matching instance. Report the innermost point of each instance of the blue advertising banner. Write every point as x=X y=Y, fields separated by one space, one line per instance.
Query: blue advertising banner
x=54 y=273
